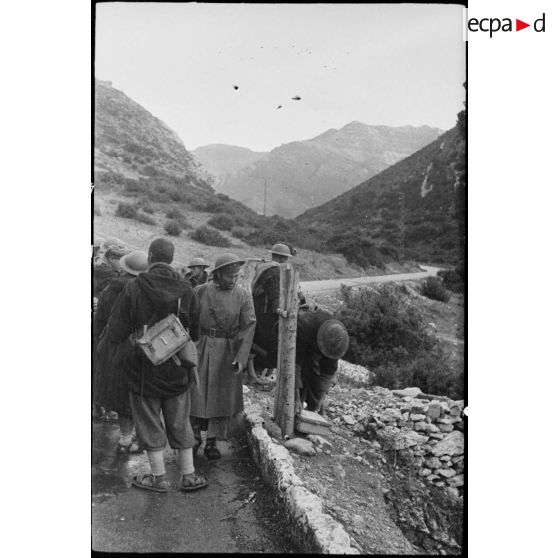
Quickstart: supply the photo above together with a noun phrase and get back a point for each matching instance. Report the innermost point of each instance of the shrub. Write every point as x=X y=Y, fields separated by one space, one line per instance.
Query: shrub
x=150 y=170
x=177 y=195
x=433 y=288
x=382 y=328
x=209 y=236
x=148 y=208
x=214 y=206
x=241 y=232
x=126 y=210
x=135 y=186
x=160 y=197
x=222 y=221
x=178 y=216
x=453 y=279
x=392 y=340
x=143 y=218
x=173 y=228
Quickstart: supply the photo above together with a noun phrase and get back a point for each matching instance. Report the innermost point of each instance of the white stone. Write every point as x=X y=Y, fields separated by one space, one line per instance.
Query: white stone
x=407 y=392
x=349 y=419
x=456 y=481
x=302 y=446
x=434 y=410
x=320 y=443
x=446 y=473
x=433 y=463
x=452 y=444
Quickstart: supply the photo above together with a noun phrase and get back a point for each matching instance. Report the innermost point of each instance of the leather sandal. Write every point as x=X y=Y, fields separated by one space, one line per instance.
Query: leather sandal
x=150 y=482
x=188 y=484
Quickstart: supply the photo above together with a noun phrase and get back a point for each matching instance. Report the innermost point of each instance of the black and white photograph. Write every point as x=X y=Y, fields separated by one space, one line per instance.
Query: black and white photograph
x=279 y=278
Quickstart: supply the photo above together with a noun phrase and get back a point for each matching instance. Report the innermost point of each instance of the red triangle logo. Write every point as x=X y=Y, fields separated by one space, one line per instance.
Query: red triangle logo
x=519 y=25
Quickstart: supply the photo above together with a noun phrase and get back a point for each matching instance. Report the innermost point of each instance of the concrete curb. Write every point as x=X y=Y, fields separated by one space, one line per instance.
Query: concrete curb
x=312 y=529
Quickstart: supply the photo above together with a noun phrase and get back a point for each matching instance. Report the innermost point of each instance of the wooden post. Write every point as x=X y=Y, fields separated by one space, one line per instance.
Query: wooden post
x=285 y=386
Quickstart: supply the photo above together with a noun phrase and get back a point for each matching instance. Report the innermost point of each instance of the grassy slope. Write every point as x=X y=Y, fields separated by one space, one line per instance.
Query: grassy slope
x=138 y=235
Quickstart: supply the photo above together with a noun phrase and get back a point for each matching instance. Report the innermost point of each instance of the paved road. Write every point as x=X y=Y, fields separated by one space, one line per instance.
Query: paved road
x=334 y=284
x=234 y=514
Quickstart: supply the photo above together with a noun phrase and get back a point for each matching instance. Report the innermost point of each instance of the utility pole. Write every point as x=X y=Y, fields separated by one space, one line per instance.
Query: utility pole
x=265 y=197
x=402 y=226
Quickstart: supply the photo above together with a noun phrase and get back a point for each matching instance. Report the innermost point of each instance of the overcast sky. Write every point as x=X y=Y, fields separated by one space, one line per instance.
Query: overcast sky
x=376 y=63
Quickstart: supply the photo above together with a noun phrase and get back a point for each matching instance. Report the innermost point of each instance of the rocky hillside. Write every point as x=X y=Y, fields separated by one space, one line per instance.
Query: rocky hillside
x=305 y=174
x=415 y=209
x=220 y=159
x=131 y=142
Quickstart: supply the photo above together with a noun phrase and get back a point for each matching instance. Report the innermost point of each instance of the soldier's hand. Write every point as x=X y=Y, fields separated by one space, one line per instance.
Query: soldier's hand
x=239 y=367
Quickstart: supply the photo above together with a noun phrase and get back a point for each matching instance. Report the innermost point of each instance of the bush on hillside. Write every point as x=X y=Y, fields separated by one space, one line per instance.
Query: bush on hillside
x=214 y=206
x=158 y=197
x=222 y=221
x=240 y=232
x=453 y=279
x=178 y=216
x=173 y=228
x=391 y=339
x=126 y=210
x=356 y=247
x=134 y=187
x=209 y=236
x=144 y=218
x=433 y=289
x=148 y=208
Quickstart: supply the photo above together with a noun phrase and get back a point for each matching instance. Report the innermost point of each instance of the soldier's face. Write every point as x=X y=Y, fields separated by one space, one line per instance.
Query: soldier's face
x=229 y=278
x=197 y=271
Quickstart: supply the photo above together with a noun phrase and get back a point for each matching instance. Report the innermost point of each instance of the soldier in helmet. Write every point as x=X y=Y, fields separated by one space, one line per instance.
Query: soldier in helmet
x=321 y=341
x=227 y=323
x=265 y=294
x=108 y=258
x=110 y=386
x=161 y=391
x=197 y=274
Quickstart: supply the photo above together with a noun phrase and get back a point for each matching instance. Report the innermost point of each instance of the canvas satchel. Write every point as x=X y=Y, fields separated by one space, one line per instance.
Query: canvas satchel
x=165 y=339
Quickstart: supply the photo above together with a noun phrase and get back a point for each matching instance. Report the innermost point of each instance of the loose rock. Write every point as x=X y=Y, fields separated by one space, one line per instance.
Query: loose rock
x=302 y=446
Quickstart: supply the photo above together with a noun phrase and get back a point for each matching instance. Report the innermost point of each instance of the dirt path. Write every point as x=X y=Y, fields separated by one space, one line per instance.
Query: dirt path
x=234 y=514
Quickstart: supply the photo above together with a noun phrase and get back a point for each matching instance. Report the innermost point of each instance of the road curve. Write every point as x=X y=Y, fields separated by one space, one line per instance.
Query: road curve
x=334 y=284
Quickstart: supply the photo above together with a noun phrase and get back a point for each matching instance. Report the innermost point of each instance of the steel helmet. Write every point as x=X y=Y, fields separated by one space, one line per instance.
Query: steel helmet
x=198 y=262
x=134 y=263
x=281 y=250
x=333 y=339
x=227 y=259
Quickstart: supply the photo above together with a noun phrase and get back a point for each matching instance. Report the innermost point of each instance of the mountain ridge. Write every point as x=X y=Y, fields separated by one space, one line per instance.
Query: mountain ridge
x=306 y=173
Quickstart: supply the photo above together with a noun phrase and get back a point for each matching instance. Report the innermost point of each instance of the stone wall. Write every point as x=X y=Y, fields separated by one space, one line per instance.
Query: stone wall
x=426 y=433
x=425 y=430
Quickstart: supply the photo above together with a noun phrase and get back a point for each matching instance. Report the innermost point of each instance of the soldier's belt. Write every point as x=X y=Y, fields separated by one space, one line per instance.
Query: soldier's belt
x=215 y=332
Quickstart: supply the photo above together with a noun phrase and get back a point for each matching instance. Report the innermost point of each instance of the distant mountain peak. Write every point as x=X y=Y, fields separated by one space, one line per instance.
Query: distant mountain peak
x=307 y=173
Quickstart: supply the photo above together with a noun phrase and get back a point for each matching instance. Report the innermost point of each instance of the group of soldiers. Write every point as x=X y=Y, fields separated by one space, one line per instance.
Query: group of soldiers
x=234 y=331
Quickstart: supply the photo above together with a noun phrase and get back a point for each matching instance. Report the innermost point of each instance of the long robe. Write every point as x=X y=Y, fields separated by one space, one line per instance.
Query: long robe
x=220 y=390
x=110 y=386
